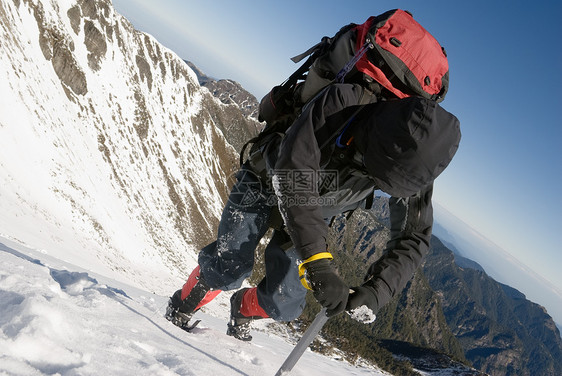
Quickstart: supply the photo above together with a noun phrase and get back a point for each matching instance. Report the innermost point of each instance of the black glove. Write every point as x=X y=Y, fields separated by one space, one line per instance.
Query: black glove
x=328 y=288
x=362 y=295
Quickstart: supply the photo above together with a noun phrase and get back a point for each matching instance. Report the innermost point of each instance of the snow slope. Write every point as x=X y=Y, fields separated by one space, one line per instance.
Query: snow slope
x=56 y=318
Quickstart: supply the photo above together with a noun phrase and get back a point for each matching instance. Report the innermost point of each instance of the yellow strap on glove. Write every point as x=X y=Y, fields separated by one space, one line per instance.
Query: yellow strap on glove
x=302 y=266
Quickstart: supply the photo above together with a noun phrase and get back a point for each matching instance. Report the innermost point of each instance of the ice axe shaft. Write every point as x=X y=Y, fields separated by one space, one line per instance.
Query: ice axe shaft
x=303 y=343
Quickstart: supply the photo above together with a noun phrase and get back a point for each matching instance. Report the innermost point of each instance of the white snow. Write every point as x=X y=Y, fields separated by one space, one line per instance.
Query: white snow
x=57 y=319
x=363 y=314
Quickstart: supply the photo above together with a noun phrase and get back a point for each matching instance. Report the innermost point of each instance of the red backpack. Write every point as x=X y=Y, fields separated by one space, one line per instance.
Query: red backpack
x=406 y=59
x=391 y=54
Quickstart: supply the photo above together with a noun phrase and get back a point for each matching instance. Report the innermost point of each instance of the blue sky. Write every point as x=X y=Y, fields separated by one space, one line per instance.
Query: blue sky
x=505 y=65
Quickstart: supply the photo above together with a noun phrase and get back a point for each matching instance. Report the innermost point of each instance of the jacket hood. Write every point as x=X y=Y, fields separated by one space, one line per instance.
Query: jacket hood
x=406 y=143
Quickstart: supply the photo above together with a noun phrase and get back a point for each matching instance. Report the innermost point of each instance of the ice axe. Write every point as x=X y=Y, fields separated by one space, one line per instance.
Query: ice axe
x=303 y=343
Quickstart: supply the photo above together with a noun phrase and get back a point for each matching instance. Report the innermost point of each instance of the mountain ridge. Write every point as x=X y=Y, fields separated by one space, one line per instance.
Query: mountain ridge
x=501 y=266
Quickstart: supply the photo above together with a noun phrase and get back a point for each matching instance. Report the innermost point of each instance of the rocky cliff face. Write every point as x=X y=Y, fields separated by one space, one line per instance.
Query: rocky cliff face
x=118 y=140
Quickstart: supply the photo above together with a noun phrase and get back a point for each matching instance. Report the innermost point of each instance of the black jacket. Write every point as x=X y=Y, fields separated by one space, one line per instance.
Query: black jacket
x=401 y=146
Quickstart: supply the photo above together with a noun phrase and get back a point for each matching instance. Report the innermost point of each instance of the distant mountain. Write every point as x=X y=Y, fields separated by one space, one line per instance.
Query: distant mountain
x=467 y=263
x=445 y=236
x=229 y=92
x=501 y=332
x=238 y=129
x=499 y=264
x=201 y=76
